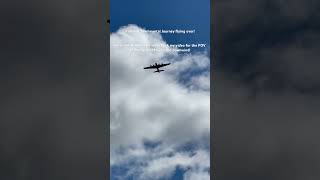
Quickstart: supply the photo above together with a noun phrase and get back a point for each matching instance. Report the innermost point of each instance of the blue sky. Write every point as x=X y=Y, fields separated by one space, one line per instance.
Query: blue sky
x=164 y=14
x=188 y=114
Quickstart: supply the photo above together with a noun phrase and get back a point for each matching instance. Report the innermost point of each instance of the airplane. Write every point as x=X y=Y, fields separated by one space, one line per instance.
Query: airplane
x=156 y=66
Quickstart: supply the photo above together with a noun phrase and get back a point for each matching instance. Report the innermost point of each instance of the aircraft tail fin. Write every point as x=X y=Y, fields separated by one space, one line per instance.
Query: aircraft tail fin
x=158 y=71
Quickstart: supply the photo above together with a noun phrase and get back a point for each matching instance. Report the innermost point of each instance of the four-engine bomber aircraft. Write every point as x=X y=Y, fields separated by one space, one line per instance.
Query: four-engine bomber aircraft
x=156 y=66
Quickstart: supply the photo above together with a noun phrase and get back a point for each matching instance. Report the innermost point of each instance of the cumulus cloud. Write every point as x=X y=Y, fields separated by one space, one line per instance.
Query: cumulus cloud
x=164 y=166
x=171 y=108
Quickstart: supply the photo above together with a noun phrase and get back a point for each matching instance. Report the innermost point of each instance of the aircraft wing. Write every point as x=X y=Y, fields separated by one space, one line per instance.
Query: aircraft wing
x=150 y=67
x=161 y=65
x=156 y=66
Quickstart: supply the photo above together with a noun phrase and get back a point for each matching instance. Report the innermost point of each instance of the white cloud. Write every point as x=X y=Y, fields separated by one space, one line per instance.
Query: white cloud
x=196 y=175
x=165 y=166
x=201 y=82
x=155 y=106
